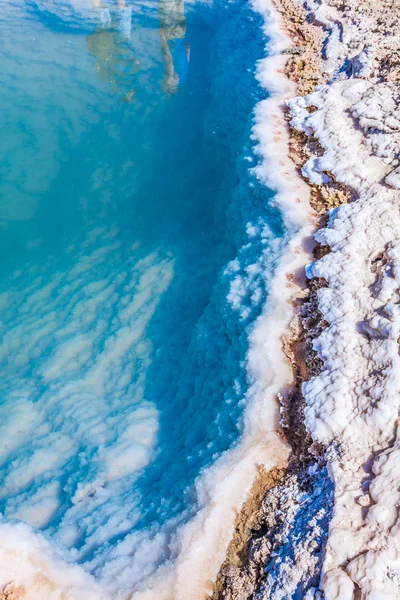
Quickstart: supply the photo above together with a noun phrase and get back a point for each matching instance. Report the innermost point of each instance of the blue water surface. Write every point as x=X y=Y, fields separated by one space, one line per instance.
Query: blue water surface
x=137 y=249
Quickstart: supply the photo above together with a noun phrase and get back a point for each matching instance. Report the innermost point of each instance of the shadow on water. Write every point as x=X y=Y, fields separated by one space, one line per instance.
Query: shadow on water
x=197 y=375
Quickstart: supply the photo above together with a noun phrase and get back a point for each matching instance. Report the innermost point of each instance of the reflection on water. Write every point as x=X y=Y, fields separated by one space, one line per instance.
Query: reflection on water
x=116 y=64
x=111 y=45
x=175 y=51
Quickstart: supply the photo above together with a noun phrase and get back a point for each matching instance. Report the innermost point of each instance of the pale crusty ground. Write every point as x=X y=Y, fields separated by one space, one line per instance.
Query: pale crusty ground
x=308 y=65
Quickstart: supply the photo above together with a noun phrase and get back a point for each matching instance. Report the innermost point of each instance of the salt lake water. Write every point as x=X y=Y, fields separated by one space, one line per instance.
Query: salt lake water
x=137 y=249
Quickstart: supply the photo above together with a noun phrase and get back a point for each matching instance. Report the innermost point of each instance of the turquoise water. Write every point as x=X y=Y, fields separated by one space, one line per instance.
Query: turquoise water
x=137 y=249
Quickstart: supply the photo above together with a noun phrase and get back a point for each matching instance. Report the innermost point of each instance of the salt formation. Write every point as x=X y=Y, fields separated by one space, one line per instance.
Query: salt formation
x=346 y=142
x=46 y=570
x=353 y=405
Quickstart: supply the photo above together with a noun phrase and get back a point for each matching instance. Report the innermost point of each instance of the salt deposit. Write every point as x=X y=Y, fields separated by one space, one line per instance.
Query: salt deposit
x=353 y=405
x=348 y=133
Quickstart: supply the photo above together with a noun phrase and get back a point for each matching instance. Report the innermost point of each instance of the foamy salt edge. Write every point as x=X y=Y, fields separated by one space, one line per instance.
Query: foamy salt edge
x=198 y=549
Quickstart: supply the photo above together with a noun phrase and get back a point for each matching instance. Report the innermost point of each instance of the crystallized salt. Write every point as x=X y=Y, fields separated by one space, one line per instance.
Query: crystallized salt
x=353 y=405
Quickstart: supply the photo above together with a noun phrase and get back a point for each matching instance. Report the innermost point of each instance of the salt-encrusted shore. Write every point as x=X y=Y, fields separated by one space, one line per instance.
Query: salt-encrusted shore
x=187 y=558
x=326 y=526
x=330 y=528
x=192 y=554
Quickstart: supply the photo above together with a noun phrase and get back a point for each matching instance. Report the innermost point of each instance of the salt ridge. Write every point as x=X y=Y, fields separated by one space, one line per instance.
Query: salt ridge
x=353 y=405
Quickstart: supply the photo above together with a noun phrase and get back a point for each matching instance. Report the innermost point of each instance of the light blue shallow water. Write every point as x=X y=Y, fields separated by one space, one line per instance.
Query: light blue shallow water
x=136 y=249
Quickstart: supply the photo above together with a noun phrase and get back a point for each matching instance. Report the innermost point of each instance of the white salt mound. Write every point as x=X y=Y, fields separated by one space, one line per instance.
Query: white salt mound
x=353 y=405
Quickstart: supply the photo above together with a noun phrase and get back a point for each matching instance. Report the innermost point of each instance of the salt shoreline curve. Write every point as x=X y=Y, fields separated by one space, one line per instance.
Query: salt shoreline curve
x=223 y=488
x=335 y=537
x=45 y=572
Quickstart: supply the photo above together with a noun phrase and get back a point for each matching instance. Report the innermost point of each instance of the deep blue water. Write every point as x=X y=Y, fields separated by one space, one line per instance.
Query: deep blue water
x=137 y=248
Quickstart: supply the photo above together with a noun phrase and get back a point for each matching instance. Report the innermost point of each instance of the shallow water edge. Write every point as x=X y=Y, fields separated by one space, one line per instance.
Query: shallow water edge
x=200 y=547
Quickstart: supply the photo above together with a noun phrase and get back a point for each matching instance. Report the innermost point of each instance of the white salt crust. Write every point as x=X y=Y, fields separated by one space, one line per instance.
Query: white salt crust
x=198 y=548
x=353 y=405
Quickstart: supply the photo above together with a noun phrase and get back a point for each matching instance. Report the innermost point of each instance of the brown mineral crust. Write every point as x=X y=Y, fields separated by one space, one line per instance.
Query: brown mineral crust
x=243 y=580
x=13 y=591
x=242 y=572
x=304 y=65
x=248 y=521
x=298 y=347
x=325 y=196
x=305 y=68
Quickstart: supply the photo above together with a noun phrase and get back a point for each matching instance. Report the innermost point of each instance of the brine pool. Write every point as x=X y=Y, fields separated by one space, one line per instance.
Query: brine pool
x=137 y=249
